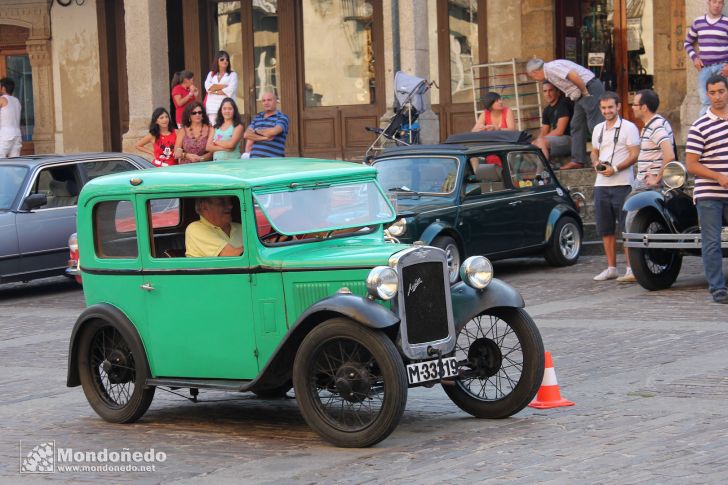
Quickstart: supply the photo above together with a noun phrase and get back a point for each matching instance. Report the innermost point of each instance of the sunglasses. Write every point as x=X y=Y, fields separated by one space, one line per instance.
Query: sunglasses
x=224 y=59
x=196 y=112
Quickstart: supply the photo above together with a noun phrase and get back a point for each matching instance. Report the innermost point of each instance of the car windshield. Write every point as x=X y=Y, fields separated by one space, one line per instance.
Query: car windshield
x=421 y=175
x=11 y=179
x=326 y=208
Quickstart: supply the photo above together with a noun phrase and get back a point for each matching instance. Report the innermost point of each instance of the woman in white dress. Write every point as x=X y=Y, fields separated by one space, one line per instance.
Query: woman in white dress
x=221 y=83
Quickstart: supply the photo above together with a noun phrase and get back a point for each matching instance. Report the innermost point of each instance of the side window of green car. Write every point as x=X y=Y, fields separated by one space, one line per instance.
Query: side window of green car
x=115 y=230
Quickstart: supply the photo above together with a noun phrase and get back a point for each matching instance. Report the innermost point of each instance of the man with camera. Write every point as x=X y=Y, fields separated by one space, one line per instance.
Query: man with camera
x=616 y=145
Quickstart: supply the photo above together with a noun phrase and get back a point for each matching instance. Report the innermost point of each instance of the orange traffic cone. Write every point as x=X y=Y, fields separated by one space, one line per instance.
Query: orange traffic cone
x=549 y=395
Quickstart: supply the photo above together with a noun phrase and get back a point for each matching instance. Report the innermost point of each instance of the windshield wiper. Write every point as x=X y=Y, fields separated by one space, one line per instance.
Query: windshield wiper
x=403 y=189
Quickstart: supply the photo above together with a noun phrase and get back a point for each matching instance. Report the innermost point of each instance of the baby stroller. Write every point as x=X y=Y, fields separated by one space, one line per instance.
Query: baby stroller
x=403 y=128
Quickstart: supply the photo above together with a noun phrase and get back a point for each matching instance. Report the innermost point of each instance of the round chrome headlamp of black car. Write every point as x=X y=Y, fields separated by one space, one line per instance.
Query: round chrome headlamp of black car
x=674 y=175
x=382 y=282
x=476 y=271
x=398 y=227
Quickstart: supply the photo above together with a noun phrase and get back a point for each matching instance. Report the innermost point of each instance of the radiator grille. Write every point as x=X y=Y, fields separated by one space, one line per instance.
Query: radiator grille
x=425 y=308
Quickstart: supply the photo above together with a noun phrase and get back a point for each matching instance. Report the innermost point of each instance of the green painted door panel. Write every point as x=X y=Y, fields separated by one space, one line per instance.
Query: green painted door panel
x=269 y=314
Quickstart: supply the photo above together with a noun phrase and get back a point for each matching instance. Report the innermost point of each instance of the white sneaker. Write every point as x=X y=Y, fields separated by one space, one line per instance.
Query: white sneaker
x=607 y=274
x=628 y=277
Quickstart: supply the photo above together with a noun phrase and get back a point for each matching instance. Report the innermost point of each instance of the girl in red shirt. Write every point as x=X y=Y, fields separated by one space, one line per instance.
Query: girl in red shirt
x=183 y=93
x=162 y=138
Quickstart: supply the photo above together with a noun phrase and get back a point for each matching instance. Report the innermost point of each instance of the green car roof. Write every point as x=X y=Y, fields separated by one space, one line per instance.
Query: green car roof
x=263 y=172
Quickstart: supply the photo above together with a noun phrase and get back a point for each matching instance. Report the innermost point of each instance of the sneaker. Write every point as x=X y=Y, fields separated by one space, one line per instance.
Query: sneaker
x=628 y=277
x=720 y=296
x=607 y=274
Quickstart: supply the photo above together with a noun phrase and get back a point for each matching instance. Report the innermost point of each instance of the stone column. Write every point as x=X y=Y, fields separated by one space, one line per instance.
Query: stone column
x=39 y=52
x=415 y=58
x=147 y=68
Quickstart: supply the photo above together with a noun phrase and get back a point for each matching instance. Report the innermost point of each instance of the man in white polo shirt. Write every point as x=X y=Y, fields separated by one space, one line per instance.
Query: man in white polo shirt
x=616 y=145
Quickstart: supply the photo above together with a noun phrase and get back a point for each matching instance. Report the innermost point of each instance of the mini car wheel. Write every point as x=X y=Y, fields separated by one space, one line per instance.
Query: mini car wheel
x=565 y=243
x=350 y=383
x=450 y=247
x=501 y=360
x=113 y=373
x=654 y=269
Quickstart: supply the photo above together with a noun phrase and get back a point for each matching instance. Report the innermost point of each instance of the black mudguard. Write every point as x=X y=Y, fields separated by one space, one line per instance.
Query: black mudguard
x=467 y=302
x=649 y=199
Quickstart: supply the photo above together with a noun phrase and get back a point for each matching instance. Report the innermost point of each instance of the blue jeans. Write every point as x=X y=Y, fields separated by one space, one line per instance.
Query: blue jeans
x=703 y=76
x=711 y=214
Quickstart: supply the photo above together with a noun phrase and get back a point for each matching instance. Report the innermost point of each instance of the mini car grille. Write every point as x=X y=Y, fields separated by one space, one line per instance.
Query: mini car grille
x=424 y=290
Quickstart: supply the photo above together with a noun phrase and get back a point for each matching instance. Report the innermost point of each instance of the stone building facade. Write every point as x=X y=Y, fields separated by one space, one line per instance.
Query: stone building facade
x=99 y=67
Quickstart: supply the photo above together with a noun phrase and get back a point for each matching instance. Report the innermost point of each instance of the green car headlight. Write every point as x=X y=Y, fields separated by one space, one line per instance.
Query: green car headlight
x=476 y=271
x=398 y=227
x=382 y=282
x=674 y=175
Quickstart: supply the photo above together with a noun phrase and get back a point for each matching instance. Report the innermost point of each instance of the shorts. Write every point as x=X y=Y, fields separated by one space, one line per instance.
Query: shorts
x=559 y=146
x=11 y=147
x=608 y=202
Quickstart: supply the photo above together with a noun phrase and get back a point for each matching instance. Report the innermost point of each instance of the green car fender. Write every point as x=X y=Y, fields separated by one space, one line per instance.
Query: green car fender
x=468 y=302
x=559 y=211
x=359 y=309
x=108 y=313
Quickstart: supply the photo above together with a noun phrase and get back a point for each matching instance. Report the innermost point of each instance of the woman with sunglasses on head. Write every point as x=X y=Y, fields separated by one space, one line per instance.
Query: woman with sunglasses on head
x=221 y=83
x=192 y=137
x=183 y=93
x=495 y=116
x=162 y=137
x=224 y=141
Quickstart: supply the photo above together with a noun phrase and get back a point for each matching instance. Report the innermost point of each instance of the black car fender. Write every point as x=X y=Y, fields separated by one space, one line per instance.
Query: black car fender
x=360 y=309
x=440 y=228
x=648 y=200
x=557 y=212
x=109 y=313
x=468 y=302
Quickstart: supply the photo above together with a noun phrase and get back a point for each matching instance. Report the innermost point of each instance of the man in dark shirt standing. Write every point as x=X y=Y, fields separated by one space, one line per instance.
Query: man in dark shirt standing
x=266 y=135
x=554 y=139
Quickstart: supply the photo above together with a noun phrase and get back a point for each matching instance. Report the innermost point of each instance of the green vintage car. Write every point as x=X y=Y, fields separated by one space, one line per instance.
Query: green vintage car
x=317 y=301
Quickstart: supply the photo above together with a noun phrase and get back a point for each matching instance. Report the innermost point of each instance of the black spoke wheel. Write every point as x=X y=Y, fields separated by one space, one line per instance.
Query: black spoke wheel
x=350 y=383
x=565 y=245
x=654 y=269
x=501 y=361
x=113 y=373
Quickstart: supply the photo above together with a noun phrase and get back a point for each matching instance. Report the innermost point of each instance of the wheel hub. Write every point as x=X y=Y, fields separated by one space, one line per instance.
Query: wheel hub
x=485 y=357
x=352 y=382
x=116 y=367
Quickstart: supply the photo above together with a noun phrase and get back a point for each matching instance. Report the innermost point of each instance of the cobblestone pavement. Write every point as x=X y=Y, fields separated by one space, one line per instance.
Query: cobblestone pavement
x=648 y=373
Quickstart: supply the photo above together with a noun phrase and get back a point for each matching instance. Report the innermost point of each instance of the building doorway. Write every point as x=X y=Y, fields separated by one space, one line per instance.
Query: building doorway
x=15 y=64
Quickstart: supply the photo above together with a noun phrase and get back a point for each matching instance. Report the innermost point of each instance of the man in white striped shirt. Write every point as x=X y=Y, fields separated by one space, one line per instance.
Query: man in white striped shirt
x=656 y=141
x=707 y=159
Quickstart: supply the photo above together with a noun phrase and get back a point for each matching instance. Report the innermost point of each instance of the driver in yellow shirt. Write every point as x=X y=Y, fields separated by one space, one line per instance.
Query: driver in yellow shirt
x=214 y=234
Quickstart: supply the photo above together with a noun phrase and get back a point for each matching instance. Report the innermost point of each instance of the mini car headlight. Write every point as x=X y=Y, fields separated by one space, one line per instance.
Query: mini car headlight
x=674 y=175
x=73 y=242
x=382 y=282
x=476 y=271
x=398 y=227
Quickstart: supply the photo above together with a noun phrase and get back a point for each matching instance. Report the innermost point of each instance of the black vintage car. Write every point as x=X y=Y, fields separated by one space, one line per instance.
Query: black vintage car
x=662 y=227
x=474 y=195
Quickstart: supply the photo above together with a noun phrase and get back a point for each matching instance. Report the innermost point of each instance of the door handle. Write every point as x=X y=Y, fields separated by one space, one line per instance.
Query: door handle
x=147 y=287
x=515 y=202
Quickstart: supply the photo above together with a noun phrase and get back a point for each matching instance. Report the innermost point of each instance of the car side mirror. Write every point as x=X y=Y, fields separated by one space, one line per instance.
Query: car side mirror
x=33 y=201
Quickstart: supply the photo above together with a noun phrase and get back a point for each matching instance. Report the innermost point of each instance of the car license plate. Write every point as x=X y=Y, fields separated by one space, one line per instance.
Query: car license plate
x=430 y=370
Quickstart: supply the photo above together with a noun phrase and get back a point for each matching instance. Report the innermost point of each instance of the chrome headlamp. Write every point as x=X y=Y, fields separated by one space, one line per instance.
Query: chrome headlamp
x=382 y=282
x=398 y=227
x=674 y=175
x=476 y=271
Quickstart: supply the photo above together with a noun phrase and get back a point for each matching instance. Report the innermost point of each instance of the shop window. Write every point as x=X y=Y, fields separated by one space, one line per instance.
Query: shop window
x=348 y=27
x=463 y=28
x=266 y=49
x=18 y=68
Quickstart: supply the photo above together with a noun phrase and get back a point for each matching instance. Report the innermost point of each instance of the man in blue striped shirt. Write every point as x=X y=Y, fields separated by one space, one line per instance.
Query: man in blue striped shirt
x=710 y=32
x=707 y=158
x=266 y=135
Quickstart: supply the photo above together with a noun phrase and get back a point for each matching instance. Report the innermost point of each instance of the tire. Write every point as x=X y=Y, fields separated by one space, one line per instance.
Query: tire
x=501 y=357
x=454 y=258
x=565 y=244
x=113 y=372
x=654 y=269
x=350 y=383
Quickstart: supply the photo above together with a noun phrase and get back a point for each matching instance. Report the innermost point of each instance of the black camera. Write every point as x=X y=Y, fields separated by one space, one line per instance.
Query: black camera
x=602 y=166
